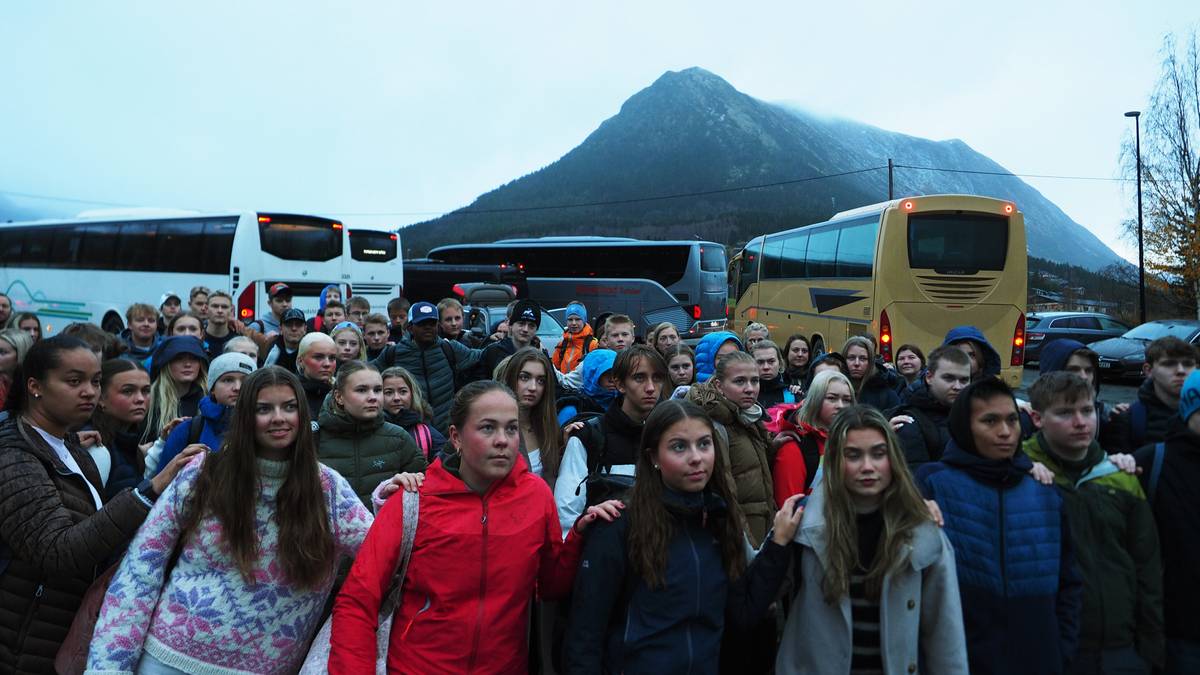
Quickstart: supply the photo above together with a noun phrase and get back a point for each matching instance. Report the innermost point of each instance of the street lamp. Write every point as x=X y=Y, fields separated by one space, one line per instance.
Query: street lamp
x=1137 y=126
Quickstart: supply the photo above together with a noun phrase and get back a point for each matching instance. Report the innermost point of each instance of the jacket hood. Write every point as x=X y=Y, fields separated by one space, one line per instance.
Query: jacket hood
x=959 y=421
x=708 y=397
x=214 y=413
x=991 y=358
x=336 y=420
x=173 y=347
x=595 y=364
x=1002 y=472
x=406 y=418
x=706 y=352
x=325 y=296
x=1054 y=356
x=445 y=475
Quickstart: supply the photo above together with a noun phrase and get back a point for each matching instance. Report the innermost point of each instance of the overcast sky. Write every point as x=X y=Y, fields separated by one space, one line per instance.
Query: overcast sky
x=345 y=108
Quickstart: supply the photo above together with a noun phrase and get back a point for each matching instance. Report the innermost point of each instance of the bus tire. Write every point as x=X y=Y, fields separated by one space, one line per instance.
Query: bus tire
x=112 y=323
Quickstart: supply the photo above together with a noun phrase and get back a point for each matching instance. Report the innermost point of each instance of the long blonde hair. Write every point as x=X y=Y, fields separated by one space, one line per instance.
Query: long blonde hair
x=865 y=343
x=419 y=405
x=901 y=505
x=164 y=399
x=810 y=410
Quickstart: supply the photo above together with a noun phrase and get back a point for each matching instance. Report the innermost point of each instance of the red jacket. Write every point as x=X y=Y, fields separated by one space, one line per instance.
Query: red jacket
x=791 y=474
x=477 y=561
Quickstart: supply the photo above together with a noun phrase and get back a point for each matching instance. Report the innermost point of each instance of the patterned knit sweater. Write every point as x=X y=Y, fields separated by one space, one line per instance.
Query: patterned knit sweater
x=205 y=618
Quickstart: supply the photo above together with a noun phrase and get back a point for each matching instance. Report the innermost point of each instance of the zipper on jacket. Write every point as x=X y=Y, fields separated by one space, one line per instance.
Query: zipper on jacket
x=483 y=521
x=34 y=606
x=696 y=565
x=1003 y=546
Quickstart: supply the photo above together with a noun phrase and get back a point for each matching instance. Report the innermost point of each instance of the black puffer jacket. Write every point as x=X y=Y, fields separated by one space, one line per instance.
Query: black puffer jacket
x=876 y=392
x=925 y=439
x=770 y=394
x=1123 y=434
x=127 y=463
x=315 y=392
x=434 y=373
x=55 y=542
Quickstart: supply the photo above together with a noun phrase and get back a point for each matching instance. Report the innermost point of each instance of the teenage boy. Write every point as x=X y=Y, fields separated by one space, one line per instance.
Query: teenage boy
x=1012 y=545
x=1170 y=474
x=1169 y=361
x=375 y=335
x=985 y=360
x=1114 y=536
x=357 y=309
x=523 y=322
x=333 y=314
x=217 y=331
x=606 y=446
x=924 y=439
x=169 y=305
x=450 y=323
x=279 y=301
x=285 y=346
x=397 y=310
x=198 y=299
x=141 y=337
x=5 y=310
x=1074 y=357
x=618 y=334
x=436 y=363
x=771 y=388
x=577 y=340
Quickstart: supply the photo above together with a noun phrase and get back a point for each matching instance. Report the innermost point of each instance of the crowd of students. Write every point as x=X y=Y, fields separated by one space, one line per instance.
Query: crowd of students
x=201 y=494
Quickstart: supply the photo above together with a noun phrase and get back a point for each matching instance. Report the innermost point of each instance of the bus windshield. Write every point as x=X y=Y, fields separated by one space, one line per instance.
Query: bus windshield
x=952 y=243
x=300 y=237
x=372 y=246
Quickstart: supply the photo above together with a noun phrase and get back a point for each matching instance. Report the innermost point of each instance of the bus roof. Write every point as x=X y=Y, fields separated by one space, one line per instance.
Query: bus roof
x=574 y=241
x=110 y=215
x=881 y=206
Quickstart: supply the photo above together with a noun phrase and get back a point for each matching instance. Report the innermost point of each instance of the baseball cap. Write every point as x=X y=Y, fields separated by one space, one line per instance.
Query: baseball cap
x=422 y=311
x=292 y=314
x=279 y=289
x=167 y=296
x=527 y=310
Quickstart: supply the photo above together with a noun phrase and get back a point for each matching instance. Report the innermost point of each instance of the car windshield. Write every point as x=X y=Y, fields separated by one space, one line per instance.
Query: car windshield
x=1155 y=330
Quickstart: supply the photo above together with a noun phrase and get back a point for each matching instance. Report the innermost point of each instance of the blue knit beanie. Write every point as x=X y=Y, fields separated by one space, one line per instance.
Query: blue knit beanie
x=1189 y=396
x=577 y=309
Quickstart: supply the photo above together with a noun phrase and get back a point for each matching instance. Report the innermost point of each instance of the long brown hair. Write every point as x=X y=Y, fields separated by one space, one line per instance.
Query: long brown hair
x=901 y=505
x=651 y=525
x=543 y=417
x=228 y=489
x=106 y=424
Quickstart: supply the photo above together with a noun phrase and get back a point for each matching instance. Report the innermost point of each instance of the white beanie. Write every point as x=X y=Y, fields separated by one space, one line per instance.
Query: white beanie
x=229 y=362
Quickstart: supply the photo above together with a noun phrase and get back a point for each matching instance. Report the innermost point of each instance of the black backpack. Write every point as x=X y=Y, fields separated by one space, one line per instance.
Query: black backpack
x=602 y=484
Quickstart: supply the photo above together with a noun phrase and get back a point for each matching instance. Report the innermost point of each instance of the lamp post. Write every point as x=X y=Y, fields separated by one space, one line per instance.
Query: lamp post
x=1137 y=127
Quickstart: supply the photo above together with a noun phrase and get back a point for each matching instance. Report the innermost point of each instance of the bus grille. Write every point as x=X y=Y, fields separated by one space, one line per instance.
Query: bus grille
x=949 y=288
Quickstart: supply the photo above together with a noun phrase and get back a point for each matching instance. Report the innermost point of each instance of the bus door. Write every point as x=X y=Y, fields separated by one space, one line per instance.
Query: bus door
x=744 y=278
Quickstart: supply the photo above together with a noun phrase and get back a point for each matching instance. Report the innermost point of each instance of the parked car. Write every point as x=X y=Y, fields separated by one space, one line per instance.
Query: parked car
x=1123 y=356
x=483 y=319
x=1087 y=327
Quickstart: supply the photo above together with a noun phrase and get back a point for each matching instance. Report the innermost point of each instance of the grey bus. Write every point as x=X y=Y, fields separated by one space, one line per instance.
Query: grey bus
x=683 y=282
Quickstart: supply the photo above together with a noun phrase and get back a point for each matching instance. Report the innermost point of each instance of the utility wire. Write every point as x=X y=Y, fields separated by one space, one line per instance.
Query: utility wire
x=1011 y=174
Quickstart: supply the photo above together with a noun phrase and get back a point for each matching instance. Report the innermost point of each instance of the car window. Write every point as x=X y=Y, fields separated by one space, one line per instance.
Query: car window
x=1085 y=322
x=1062 y=322
x=1108 y=323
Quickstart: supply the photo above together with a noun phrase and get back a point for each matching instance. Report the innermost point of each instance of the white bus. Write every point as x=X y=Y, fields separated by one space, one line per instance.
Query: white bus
x=93 y=268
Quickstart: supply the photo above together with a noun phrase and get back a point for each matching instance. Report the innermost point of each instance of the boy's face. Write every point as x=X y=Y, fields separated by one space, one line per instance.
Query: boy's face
x=1168 y=374
x=946 y=383
x=1082 y=366
x=170 y=308
x=451 y=321
x=333 y=316
x=975 y=353
x=522 y=331
x=1069 y=427
x=398 y=317
x=375 y=335
x=292 y=332
x=995 y=427
x=280 y=304
x=574 y=324
x=620 y=336
x=219 y=310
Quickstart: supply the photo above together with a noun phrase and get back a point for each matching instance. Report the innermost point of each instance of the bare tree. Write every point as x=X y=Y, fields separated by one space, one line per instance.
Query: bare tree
x=1171 y=170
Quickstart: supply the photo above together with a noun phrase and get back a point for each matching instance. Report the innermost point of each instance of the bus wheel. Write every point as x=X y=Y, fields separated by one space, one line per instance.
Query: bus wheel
x=818 y=347
x=112 y=323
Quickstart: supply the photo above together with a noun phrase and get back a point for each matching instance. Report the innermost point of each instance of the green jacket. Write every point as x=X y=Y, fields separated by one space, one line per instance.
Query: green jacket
x=1116 y=545
x=365 y=453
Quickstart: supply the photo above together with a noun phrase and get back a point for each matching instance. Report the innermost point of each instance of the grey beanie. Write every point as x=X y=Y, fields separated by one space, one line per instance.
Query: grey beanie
x=229 y=362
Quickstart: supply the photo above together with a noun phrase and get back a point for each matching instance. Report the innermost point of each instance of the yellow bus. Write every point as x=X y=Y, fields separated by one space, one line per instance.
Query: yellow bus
x=906 y=270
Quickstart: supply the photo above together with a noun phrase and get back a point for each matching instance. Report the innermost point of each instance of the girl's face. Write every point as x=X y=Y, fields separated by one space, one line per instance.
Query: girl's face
x=349 y=347
x=361 y=395
x=668 y=338
x=68 y=394
x=126 y=396
x=531 y=384
x=908 y=363
x=320 y=361
x=866 y=468
x=740 y=384
x=189 y=325
x=488 y=439
x=681 y=369
x=797 y=355
x=276 y=420
x=225 y=391
x=32 y=327
x=8 y=358
x=184 y=369
x=685 y=455
x=837 y=396
x=396 y=395
x=858 y=362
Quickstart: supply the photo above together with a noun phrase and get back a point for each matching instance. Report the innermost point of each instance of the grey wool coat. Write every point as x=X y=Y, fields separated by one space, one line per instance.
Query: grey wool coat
x=921 y=623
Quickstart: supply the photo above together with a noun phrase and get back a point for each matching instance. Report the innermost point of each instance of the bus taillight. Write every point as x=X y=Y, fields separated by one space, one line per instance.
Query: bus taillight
x=696 y=311
x=1018 y=345
x=264 y=219
x=337 y=226
x=246 y=302
x=458 y=290
x=885 y=337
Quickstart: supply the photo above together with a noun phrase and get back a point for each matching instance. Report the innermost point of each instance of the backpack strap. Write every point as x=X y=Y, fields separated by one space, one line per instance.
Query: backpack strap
x=592 y=437
x=424 y=439
x=195 y=429
x=412 y=502
x=1156 y=465
x=1137 y=423
x=451 y=357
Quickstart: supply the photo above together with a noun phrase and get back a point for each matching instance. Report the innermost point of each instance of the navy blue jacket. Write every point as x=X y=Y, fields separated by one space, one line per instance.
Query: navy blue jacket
x=216 y=420
x=1021 y=593
x=618 y=624
x=127 y=468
